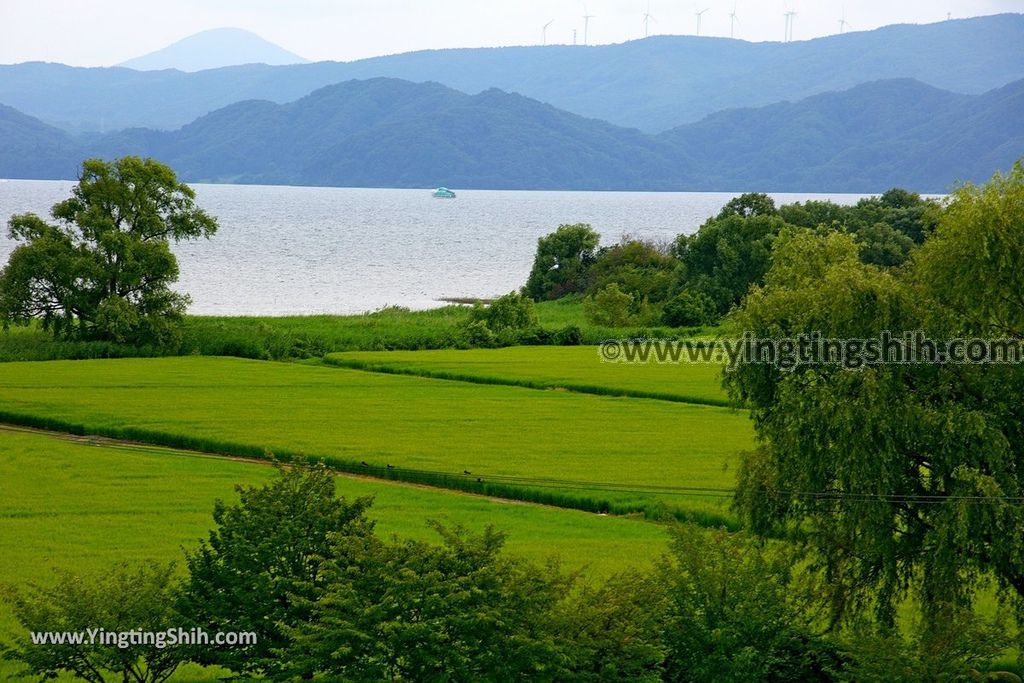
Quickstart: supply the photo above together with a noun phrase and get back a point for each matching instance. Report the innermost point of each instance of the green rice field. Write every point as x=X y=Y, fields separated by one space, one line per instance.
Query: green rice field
x=617 y=446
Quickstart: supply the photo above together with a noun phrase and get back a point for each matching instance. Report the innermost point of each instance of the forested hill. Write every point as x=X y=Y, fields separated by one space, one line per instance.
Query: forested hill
x=874 y=136
x=652 y=84
x=392 y=133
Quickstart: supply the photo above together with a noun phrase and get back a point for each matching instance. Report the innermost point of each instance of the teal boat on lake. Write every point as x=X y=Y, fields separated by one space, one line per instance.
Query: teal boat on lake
x=443 y=193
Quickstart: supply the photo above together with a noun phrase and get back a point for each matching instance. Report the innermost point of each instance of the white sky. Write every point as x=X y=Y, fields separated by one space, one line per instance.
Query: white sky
x=105 y=32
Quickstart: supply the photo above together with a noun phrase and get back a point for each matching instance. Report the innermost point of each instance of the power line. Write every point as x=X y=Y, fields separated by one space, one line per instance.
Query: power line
x=703 y=491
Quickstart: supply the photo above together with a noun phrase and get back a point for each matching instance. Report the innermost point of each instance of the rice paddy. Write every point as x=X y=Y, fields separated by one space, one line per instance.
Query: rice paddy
x=566 y=448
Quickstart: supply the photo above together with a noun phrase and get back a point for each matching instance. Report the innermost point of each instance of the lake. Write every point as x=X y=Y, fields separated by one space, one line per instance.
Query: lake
x=305 y=250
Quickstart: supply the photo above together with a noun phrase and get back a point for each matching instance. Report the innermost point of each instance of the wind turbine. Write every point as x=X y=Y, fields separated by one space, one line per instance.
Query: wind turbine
x=843 y=23
x=544 y=33
x=699 y=15
x=586 y=23
x=648 y=18
x=733 y=20
x=789 y=25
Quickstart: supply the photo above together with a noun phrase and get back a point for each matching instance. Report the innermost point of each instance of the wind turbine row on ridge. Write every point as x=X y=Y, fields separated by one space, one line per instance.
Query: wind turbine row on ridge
x=734 y=19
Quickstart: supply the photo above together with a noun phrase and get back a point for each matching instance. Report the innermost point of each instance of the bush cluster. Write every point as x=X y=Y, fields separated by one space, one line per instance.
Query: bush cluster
x=699 y=278
x=328 y=599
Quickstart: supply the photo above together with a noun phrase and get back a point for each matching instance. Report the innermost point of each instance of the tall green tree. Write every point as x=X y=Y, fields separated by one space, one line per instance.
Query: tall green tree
x=103 y=270
x=561 y=262
x=749 y=204
x=727 y=254
x=920 y=464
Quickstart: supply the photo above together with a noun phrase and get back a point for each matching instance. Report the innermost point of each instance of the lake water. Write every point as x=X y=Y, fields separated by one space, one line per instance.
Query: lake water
x=301 y=250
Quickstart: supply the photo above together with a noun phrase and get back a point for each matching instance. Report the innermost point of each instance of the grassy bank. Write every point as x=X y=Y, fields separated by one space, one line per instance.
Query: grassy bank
x=589 y=452
x=576 y=368
x=296 y=337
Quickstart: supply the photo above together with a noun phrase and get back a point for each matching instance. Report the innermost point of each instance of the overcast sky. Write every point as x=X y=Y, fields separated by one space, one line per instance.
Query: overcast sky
x=105 y=32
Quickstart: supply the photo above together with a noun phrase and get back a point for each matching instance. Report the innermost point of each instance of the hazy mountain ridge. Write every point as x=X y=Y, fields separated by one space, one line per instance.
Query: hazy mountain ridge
x=214 y=49
x=392 y=133
x=30 y=148
x=652 y=84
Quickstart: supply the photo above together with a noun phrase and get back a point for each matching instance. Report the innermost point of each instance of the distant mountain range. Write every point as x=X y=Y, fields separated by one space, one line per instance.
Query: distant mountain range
x=652 y=84
x=393 y=133
x=214 y=49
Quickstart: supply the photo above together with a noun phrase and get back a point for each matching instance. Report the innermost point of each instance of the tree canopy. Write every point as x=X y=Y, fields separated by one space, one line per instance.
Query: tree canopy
x=561 y=262
x=104 y=268
x=921 y=461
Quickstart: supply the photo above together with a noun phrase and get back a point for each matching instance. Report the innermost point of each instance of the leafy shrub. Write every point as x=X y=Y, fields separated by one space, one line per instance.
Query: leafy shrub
x=689 y=308
x=123 y=599
x=613 y=631
x=609 y=306
x=637 y=267
x=736 y=613
x=883 y=245
x=512 y=311
x=953 y=649
x=570 y=335
x=561 y=262
x=536 y=336
x=413 y=611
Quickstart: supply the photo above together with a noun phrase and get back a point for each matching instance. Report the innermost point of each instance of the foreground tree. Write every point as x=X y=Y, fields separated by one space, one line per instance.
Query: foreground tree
x=458 y=611
x=104 y=269
x=125 y=599
x=738 y=611
x=260 y=568
x=916 y=468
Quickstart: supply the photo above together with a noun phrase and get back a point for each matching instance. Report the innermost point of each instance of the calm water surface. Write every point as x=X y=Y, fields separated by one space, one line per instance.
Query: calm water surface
x=299 y=250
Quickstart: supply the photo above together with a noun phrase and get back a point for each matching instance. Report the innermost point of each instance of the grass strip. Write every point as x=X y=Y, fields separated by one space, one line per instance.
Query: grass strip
x=599 y=390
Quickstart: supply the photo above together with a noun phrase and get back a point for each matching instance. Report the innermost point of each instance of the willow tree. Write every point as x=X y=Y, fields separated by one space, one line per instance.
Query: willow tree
x=103 y=269
x=899 y=478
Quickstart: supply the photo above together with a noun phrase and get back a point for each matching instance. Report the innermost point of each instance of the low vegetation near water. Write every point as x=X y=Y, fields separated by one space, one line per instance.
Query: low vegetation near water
x=303 y=337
